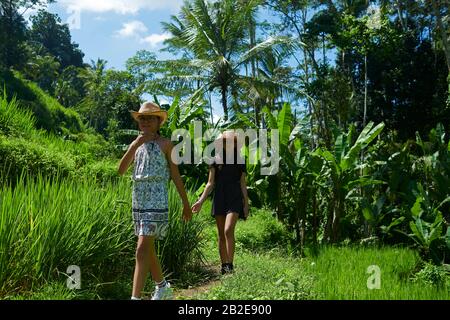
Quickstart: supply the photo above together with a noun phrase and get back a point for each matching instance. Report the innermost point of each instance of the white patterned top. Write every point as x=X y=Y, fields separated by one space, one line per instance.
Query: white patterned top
x=150 y=163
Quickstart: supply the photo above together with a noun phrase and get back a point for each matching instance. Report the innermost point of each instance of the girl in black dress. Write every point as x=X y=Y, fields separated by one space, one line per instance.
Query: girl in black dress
x=230 y=201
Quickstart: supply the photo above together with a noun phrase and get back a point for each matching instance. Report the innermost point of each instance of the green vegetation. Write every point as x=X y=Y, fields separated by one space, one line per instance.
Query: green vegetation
x=333 y=272
x=49 y=224
x=358 y=92
x=48 y=112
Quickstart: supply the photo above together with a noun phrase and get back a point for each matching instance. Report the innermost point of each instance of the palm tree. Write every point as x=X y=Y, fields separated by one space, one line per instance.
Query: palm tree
x=93 y=78
x=212 y=37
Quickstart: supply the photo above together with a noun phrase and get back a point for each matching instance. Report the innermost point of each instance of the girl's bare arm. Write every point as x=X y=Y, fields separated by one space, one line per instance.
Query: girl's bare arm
x=128 y=157
x=209 y=186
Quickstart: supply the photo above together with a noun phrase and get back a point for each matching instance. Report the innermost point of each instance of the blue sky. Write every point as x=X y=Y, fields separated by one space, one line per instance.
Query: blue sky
x=114 y=30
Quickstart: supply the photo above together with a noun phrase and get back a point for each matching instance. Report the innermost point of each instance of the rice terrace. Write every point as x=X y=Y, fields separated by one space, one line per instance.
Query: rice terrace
x=224 y=150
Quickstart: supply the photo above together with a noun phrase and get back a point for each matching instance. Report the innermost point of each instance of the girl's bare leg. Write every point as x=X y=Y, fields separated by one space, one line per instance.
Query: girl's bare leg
x=146 y=261
x=155 y=266
x=220 y=222
x=230 y=224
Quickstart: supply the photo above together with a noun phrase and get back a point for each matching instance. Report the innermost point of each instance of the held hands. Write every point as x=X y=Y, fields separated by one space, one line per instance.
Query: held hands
x=196 y=207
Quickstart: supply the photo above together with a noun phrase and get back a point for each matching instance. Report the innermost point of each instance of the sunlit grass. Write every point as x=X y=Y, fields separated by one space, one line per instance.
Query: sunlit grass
x=48 y=224
x=336 y=273
x=342 y=273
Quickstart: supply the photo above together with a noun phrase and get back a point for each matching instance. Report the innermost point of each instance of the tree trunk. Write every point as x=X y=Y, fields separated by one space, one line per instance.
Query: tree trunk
x=365 y=91
x=337 y=220
x=443 y=31
x=314 y=219
x=329 y=225
x=307 y=76
x=224 y=103
x=252 y=35
x=210 y=108
x=400 y=15
x=278 y=197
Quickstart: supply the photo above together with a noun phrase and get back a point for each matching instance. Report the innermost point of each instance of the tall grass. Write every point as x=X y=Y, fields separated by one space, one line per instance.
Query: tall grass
x=13 y=120
x=182 y=246
x=25 y=148
x=48 y=224
x=335 y=273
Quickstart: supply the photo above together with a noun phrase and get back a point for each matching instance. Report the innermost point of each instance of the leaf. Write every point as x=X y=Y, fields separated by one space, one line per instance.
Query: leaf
x=329 y=157
x=294 y=133
x=416 y=209
x=192 y=113
x=447 y=237
x=364 y=139
x=271 y=121
x=339 y=147
x=246 y=120
x=284 y=123
x=395 y=222
x=373 y=134
x=367 y=213
x=436 y=228
x=416 y=228
x=361 y=182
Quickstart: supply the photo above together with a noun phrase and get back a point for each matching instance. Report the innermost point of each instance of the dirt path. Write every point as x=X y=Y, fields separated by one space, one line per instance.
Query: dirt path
x=211 y=279
x=193 y=292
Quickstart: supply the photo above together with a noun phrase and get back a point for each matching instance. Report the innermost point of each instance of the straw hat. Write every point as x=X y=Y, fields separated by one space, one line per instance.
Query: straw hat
x=150 y=109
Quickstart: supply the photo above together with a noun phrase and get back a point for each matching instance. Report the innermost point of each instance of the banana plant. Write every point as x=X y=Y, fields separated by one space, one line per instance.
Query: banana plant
x=343 y=169
x=428 y=235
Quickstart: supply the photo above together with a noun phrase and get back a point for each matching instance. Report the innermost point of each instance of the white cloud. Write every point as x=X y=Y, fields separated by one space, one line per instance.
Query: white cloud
x=119 y=6
x=131 y=29
x=155 y=39
x=100 y=18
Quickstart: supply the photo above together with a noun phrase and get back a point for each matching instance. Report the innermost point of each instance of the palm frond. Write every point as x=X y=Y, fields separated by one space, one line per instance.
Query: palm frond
x=263 y=46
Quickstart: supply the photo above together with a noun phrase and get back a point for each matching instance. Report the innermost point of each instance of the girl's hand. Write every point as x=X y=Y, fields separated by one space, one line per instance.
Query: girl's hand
x=141 y=139
x=197 y=206
x=187 y=213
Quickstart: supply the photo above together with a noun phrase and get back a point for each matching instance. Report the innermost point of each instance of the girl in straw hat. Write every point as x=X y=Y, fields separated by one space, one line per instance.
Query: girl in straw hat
x=230 y=200
x=153 y=168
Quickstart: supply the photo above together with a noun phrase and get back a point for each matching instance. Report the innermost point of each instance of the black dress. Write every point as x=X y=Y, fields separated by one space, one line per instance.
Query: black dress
x=227 y=196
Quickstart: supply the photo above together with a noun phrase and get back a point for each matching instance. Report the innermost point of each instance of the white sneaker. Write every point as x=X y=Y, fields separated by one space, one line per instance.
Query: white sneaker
x=164 y=293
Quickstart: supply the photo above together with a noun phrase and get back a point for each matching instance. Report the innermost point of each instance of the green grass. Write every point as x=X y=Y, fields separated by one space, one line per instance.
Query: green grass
x=48 y=112
x=262 y=232
x=23 y=148
x=264 y=276
x=48 y=224
x=342 y=273
x=335 y=273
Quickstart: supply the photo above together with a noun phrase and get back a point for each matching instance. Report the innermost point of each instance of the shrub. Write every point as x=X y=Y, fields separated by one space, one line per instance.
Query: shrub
x=19 y=156
x=13 y=120
x=261 y=231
